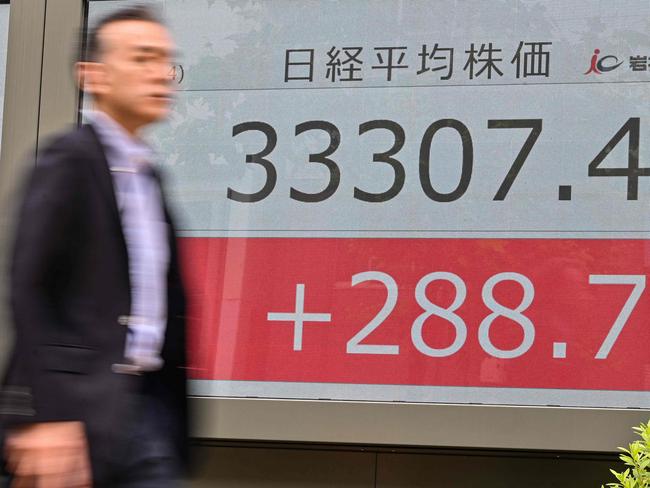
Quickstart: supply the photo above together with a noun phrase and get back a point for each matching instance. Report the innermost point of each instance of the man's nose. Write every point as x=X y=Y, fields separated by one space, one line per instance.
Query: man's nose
x=164 y=73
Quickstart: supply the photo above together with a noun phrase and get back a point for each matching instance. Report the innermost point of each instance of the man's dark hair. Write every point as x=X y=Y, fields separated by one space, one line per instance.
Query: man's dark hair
x=93 y=48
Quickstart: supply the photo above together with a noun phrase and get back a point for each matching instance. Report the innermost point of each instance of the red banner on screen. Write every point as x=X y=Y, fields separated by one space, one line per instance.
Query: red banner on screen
x=529 y=313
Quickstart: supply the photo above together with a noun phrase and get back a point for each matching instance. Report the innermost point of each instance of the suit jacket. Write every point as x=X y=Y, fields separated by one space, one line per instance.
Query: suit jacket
x=70 y=299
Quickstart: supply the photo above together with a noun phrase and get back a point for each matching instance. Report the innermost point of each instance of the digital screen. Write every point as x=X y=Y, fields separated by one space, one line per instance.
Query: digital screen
x=413 y=201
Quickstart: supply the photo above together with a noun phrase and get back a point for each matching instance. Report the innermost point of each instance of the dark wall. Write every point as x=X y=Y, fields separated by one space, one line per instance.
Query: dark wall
x=314 y=466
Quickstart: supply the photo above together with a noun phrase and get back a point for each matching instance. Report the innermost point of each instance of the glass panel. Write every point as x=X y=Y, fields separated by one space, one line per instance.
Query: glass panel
x=4 y=36
x=414 y=201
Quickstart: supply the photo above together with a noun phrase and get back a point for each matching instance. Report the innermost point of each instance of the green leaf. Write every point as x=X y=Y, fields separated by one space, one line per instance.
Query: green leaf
x=637 y=456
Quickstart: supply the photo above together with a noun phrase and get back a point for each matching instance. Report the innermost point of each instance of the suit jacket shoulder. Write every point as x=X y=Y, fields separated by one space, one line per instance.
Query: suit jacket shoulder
x=72 y=147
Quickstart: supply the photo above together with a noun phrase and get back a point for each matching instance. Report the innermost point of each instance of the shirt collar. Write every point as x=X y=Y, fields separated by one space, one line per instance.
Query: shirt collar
x=124 y=151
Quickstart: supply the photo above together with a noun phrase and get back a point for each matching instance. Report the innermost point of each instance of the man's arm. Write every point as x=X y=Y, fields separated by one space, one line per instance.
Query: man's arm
x=37 y=269
x=42 y=445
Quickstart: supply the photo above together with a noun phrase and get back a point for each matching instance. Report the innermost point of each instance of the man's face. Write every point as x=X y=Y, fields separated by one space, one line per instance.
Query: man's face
x=132 y=78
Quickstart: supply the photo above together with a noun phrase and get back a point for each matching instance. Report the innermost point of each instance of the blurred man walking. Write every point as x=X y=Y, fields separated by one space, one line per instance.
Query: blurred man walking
x=95 y=389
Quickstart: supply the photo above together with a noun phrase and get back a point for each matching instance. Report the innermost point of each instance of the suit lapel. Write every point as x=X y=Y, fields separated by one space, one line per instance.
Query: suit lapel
x=104 y=179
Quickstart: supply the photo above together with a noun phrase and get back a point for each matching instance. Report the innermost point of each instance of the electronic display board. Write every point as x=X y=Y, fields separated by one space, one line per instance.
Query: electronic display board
x=413 y=201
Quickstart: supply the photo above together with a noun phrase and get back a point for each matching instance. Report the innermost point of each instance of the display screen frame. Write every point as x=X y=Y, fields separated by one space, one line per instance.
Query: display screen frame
x=447 y=425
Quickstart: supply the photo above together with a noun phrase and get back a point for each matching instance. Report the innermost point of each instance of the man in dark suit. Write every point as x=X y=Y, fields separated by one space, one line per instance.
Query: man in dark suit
x=94 y=393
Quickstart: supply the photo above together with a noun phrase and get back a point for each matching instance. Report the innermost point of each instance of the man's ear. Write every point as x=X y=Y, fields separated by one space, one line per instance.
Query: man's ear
x=91 y=77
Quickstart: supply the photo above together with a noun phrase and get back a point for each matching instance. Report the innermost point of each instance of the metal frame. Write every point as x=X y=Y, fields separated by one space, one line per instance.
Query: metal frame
x=62 y=42
x=410 y=424
x=19 y=128
x=41 y=98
